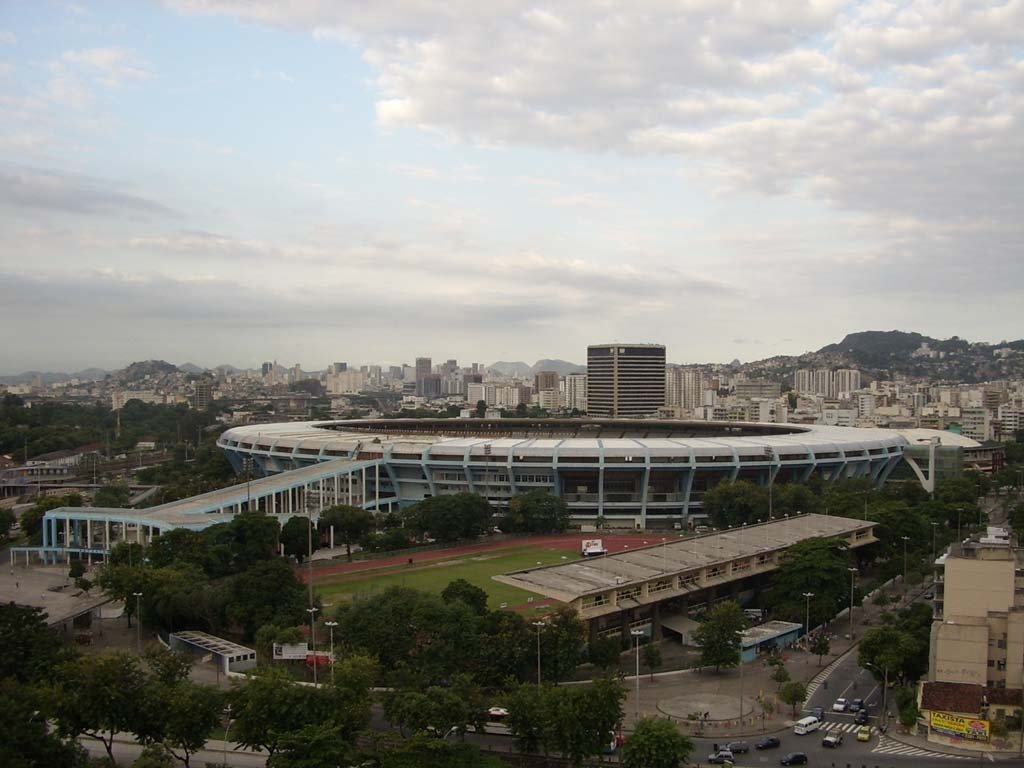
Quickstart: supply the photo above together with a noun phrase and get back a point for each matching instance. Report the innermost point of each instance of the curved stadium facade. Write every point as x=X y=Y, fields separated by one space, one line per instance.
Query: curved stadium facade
x=627 y=472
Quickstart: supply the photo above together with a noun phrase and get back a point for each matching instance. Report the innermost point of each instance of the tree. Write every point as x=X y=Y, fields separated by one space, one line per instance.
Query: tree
x=31 y=650
x=736 y=503
x=297 y=537
x=527 y=705
x=506 y=648
x=112 y=496
x=780 y=674
x=269 y=592
x=604 y=652
x=793 y=693
x=656 y=743
x=154 y=756
x=98 y=697
x=537 y=511
x=820 y=645
x=76 y=569
x=439 y=710
x=350 y=524
x=652 y=658
x=452 y=516
x=719 y=636
x=7 y=519
x=270 y=706
x=562 y=643
x=894 y=649
x=191 y=711
x=481 y=409
x=26 y=741
x=470 y=594
x=580 y=719
x=121 y=581
x=813 y=565
x=312 y=746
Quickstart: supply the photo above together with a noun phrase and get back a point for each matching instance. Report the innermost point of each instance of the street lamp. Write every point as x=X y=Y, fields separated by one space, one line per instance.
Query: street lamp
x=331 y=625
x=138 y=621
x=807 y=612
x=905 y=540
x=312 y=634
x=637 y=634
x=853 y=574
x=935 y=527
x=227 y=727
x=538 y=625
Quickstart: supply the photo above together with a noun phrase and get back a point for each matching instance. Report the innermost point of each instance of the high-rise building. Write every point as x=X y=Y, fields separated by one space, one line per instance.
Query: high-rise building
x=339 y=367
x=546 y=381
x=757 y=388
x=576 y=392
x=625 y=380
x=424 y=368
x=266 y=369
x=824 y=383
x=429 y=385
x=204 y=394
x=847 y=380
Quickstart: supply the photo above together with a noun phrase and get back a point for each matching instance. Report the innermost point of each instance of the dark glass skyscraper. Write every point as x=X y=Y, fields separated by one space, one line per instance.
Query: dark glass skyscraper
x=625 y=380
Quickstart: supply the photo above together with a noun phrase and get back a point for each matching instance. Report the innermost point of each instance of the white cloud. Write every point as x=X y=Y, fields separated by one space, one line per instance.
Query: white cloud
x=8 y=38
x=111 y=67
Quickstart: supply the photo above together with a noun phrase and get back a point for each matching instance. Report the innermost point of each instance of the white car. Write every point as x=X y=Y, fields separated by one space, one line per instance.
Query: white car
x=839 y=706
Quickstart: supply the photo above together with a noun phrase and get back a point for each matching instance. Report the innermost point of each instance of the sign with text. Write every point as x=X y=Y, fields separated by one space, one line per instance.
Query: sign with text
x=964 y=727
x=290 y=650
x=591 y=547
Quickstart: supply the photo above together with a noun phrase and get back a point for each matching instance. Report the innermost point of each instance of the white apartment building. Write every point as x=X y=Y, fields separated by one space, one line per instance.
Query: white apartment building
x=575 y=396
x=346 y=383
x=976 y=423
x=847 y=381
x=684 y=387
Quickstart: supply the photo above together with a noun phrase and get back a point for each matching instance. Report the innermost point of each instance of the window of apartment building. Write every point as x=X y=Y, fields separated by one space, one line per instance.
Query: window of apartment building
x=764 y=559
x=1001 y=643
x=689 y=579
x=716 y=572
x=594 y=601
x=659 y=586
x=740 y=565
x=629 y=593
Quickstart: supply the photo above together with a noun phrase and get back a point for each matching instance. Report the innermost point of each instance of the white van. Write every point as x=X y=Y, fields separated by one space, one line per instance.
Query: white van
x=806 y=725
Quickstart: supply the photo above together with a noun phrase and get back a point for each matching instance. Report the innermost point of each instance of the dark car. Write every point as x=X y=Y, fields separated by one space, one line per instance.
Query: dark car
x=862 y=717
x=856 y=705
x=794 y=758
x=818 y=712
x=768 y=742
x=738 y=747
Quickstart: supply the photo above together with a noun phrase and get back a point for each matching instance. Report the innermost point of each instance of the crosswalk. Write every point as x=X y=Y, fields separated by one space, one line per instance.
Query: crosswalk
x=887 y=746
x=843 y=727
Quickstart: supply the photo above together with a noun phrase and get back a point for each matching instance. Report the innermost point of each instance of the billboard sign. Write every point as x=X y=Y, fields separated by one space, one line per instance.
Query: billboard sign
x=963 y=727
x=592 y=547
x=284 y=651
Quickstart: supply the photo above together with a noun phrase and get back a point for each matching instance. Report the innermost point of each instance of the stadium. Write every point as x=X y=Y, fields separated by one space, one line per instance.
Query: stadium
x=627 y=473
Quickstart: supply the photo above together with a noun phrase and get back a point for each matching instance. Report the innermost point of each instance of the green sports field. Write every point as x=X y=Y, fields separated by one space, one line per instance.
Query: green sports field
x=476 y=568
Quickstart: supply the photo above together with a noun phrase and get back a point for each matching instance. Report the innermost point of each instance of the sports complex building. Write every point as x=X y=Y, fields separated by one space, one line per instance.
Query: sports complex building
x=630 y=473
x=622 y=473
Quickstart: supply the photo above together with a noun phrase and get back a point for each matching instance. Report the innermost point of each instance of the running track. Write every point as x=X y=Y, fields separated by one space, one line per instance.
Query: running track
x=614 y=543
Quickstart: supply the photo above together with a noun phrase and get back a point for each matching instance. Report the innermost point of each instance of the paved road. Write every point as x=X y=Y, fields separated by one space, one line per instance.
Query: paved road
x=126 y=750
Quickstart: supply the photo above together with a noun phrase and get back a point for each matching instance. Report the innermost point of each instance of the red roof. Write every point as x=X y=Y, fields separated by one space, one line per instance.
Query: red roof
x=952 y=697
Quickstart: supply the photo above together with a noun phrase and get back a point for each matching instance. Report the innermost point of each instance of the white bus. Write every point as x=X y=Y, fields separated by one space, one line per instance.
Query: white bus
x=806 y=725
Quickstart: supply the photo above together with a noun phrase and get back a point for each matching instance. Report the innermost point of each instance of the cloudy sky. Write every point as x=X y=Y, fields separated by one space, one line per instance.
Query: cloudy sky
x=318 y=180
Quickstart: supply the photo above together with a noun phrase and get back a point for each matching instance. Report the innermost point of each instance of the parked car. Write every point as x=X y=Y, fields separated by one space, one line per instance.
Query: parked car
x=794 y=758
x=720 y=757
x=818 y=712
x=839 y=706
x=856 y=705
x=832 y=740
x=862 y=717
x=768 y=742
x=864 y=733
x=738 y=747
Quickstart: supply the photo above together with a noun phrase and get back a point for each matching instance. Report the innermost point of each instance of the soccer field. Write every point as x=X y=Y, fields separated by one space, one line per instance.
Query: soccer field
x=476 y=568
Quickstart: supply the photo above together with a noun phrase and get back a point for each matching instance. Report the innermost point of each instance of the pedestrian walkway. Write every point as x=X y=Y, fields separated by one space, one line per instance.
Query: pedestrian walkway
x=844 y=728
x=887 y=746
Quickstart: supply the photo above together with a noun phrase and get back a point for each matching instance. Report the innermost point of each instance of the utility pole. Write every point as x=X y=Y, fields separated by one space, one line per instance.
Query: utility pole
x=905 y=540
x=637 y=634
x=138 y=619
x=538 y=625
x=312 y=635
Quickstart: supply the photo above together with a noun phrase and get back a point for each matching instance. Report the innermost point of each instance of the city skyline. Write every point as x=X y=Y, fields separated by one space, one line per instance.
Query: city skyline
x=228 y=182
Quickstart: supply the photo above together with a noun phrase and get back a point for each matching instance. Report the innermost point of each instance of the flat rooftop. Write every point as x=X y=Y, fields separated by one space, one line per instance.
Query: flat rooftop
x=598 y=574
